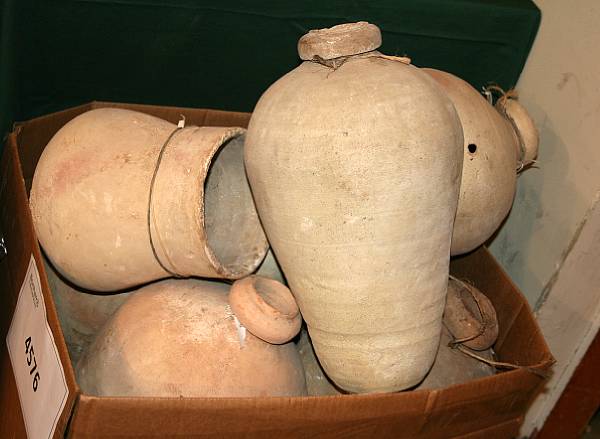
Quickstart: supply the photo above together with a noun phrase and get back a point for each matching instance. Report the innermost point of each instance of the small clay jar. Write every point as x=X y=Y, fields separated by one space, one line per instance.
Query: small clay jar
x=354 y=159
x=497 y=142
x=266 y=308
x=180 y=338
x=470 y=316
x=81 y=313
x=120 y=198
x=527 y=132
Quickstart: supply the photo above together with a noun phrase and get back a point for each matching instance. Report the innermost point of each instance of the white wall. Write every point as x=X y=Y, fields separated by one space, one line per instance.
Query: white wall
x=560 y=86
x=550 y=244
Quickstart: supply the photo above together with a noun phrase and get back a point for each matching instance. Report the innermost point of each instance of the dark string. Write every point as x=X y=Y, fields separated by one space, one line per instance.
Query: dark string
x=160 y=156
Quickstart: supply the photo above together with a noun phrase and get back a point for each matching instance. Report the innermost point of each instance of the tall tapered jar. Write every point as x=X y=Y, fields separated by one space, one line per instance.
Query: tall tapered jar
x=354 y=159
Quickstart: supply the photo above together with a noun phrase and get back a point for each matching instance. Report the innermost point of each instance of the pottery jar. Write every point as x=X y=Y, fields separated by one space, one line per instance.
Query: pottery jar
x=524 y=126
x=493 y=152
x=180 y=338
x=452 y=365
x=354 y=159
x=120 y=198
x=470 y=316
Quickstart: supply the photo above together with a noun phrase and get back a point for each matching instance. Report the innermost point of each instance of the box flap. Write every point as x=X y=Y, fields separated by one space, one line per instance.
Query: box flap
x=16 y=227
x=193 y=116
x=460 y=409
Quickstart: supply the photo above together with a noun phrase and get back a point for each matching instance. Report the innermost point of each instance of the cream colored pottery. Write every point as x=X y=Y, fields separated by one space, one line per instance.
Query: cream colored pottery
x=449 y=368
x=355 y=165
x=492 y=156
x=179 y=338
x=529 y=137
x=111 y=212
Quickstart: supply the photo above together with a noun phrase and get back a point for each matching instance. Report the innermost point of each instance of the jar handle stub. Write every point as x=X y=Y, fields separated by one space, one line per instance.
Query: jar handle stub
x=266 y=308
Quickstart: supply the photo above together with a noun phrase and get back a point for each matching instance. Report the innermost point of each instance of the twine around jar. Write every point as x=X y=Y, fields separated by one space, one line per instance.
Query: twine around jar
x=336 y=63
x=458 y=343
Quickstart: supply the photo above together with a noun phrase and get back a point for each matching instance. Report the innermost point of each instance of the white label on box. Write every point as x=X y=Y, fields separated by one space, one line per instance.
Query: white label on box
x=38 y=371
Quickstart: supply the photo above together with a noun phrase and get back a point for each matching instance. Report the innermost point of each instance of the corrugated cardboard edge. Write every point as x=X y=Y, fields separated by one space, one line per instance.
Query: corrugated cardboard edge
x=194 y=116
x=408 y=414
x=12 y=272
x=482 y=269
x=420 y=414
x=20 y=246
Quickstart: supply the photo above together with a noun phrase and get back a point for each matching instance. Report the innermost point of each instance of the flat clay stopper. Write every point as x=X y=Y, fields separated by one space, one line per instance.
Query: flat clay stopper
x=341 y=40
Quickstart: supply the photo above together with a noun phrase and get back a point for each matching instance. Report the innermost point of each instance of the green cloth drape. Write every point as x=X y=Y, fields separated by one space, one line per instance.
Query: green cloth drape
x=224 y=54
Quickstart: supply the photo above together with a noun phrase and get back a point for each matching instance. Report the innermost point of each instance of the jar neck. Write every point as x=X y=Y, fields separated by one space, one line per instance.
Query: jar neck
x=199 y=182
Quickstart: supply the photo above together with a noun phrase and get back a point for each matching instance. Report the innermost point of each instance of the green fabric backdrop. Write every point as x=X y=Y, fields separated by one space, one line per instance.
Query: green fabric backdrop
x=224 y=54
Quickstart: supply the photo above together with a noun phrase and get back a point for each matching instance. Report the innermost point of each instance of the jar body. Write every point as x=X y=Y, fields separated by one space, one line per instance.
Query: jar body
x=489 y=177
x=110 y=216
x=179 y=338
x=355 y=172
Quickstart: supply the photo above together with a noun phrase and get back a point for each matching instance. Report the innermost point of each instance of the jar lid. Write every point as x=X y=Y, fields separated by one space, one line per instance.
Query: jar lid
x=341 y=40
x=266 y=308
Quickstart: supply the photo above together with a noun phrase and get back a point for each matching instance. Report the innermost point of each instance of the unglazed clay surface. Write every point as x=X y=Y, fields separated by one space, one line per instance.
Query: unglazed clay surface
x=489 y=175
x=266 y=308
x=470 y=316
x=341 y=40
x=450 y=367
x=90 y=201
x=527 y=132
x=355 y=171
x=180 y=338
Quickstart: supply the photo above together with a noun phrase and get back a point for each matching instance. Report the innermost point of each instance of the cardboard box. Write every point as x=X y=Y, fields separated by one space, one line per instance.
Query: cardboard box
x=488 y=407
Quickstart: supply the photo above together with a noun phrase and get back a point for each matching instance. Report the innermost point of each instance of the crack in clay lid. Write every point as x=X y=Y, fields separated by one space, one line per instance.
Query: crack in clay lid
x=341 y=40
